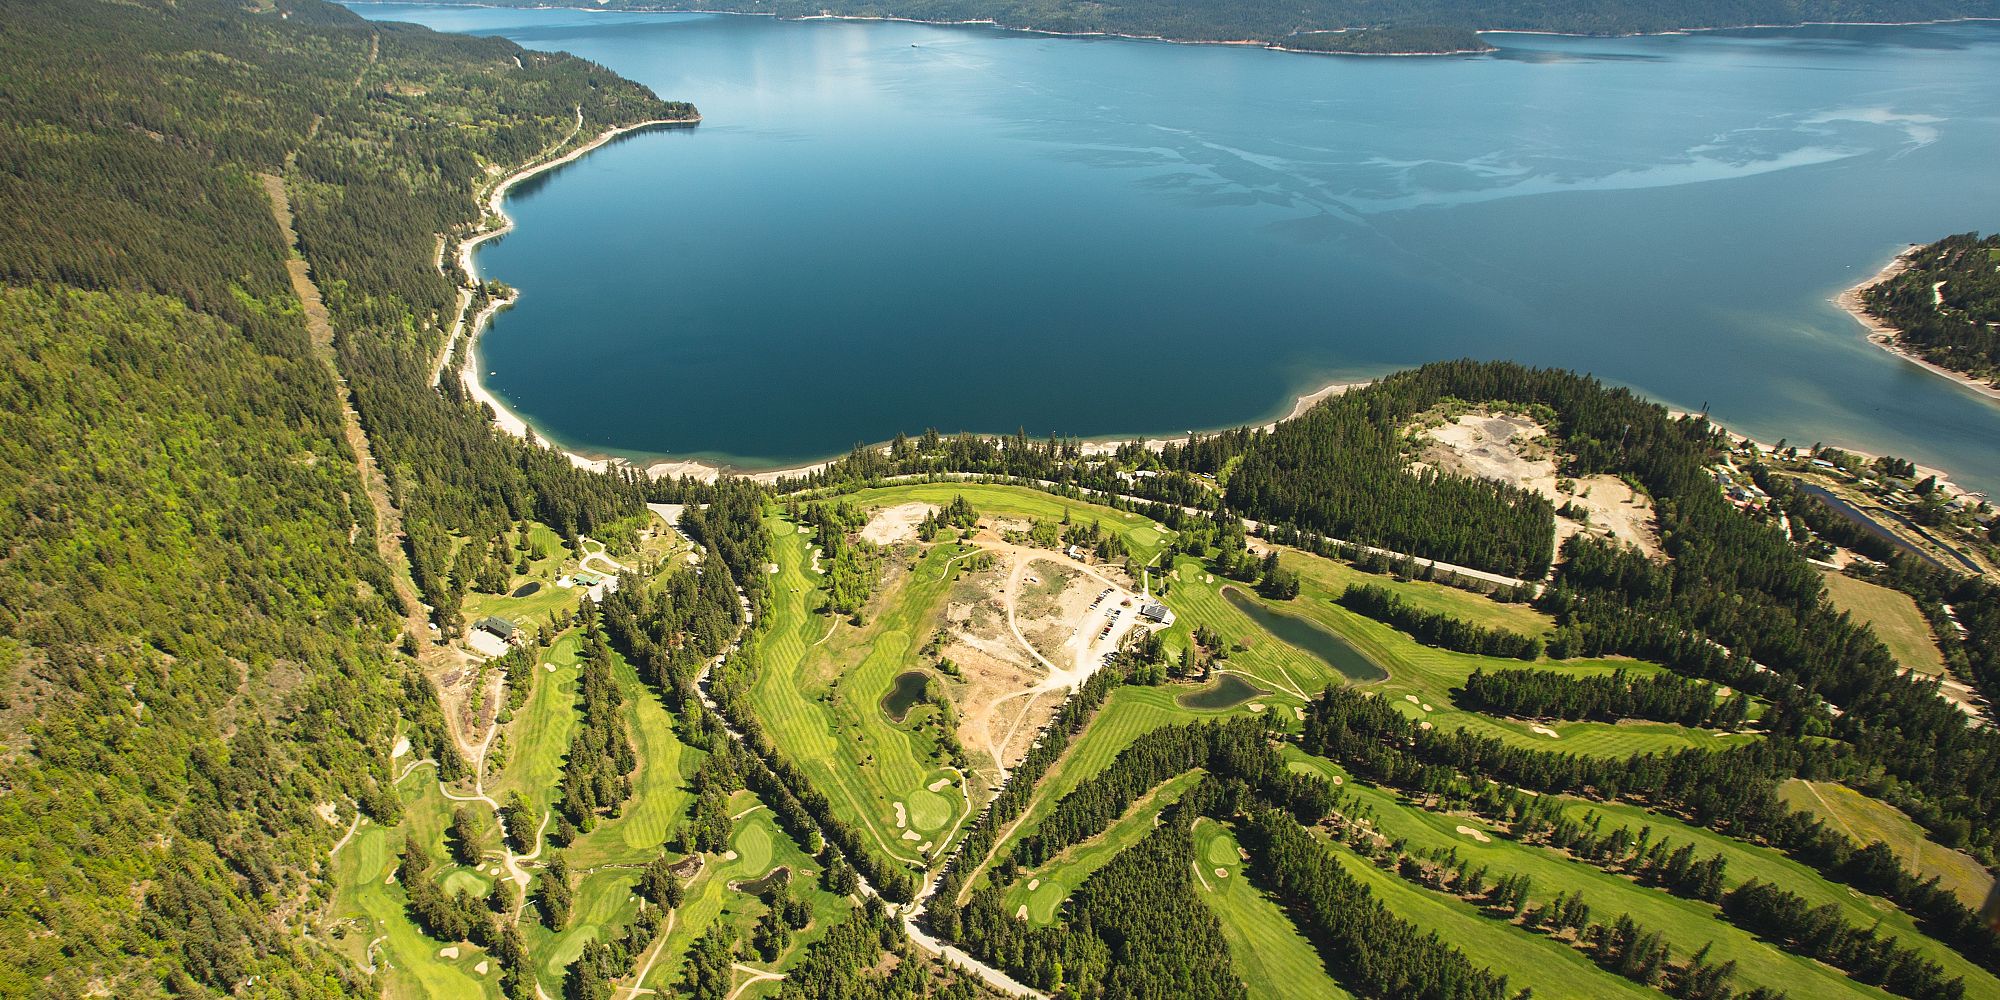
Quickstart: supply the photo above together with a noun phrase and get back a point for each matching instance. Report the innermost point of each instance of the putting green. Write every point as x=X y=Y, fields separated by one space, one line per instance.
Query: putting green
x=1042 y=903
x=465 y=881
x=928 y=811
x=1222 y=853
x=753 y=848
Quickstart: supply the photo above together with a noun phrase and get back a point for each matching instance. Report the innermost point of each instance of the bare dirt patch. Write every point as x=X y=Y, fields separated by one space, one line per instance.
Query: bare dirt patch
x=1514 y=449
x=896 y=524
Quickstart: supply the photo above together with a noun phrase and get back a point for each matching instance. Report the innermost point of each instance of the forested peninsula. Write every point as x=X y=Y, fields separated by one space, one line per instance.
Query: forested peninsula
x=1361 y=27
x=1941 y=303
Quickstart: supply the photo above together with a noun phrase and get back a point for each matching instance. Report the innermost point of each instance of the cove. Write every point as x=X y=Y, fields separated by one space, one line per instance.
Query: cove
x=884 y=227
x=1309 y=636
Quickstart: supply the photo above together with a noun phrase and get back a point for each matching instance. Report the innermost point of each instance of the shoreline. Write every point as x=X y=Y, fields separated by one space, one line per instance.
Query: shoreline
x=1269 y=46
x=513 y=423
x=469 y=273
x=1882 y=335
x=1944 y=480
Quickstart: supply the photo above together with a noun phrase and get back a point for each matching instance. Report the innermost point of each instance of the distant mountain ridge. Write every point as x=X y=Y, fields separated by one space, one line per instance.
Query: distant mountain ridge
x=1354 y=26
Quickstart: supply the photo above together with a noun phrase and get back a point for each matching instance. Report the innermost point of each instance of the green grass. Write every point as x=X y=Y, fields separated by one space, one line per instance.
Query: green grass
x=1747 y=861
x=538 y=738
x=1867 y=820
x=1127 y=714
x=1428 y=673
x=1687 y=924
x=759 y=846
x=819 y=693
x=1062 y=874
x=660 y=796
x=1266 y=949
x=373 y=911
x=1552 y=968
x=534 y=608
x=1333 y=577
x=1894 y=617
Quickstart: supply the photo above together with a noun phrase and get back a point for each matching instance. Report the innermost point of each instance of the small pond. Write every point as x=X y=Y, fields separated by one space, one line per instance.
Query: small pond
x=1227 y=692
x=531 y=587
x=905 y=694
x=1310 y=636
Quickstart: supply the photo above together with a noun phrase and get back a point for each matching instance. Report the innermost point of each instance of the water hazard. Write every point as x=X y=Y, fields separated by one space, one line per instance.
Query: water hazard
x=1309 y=636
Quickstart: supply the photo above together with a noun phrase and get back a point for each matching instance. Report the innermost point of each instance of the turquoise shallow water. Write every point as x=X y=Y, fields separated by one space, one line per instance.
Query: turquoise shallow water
x=884 y=227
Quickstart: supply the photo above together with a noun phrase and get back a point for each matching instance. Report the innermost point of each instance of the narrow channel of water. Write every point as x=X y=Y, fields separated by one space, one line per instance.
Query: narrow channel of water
x=1309 y=636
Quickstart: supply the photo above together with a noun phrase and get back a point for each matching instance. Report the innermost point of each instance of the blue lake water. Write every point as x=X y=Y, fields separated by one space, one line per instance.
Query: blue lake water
x=884 y=227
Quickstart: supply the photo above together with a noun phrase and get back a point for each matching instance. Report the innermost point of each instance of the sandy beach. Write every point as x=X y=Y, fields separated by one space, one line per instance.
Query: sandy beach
x=1884 y=336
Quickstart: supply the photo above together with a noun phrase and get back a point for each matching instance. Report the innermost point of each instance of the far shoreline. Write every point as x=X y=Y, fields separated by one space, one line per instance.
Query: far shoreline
x=1241 y=43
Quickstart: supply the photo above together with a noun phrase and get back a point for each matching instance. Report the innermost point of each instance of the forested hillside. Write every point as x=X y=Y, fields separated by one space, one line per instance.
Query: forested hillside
x=1392 y=26
x=1946 y=305
x=197 y=634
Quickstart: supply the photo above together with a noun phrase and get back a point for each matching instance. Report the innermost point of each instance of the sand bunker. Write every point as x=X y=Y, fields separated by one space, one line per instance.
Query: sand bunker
x=1413 y=699
x=1546 y=731
x=940 y=785
x=1021 y=913
x=1478 y=835
x=902 y=816
x=1222 y=873
x=896 y=524
x=448 y=951
x=1033 y=884
x=912 y=835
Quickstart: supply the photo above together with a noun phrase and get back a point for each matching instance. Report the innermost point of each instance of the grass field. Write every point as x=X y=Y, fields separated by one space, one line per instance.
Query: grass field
x=538 y=738
x=1553 y=969
x=1687 y=924
x=1129 y=713
x=1267 y=951
x=372 y=909
x=1333 y=577
x=1867 y=820
x=660 y=796
x=819 y=695
x=760 y=846
x=1894 y=617
x=559 y=561
x=1059 y=876
x=1747 y=861
x=1426 y=672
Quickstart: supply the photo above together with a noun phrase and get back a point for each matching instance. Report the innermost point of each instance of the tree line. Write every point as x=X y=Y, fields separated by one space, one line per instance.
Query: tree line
x=1435 y=628
x=1553 y=694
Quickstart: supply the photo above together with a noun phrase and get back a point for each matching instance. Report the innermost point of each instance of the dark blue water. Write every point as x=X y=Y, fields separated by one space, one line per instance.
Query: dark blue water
x=883 y=227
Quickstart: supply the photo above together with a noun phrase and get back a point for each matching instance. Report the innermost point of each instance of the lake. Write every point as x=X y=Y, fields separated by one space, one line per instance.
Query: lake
x=883 y=227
